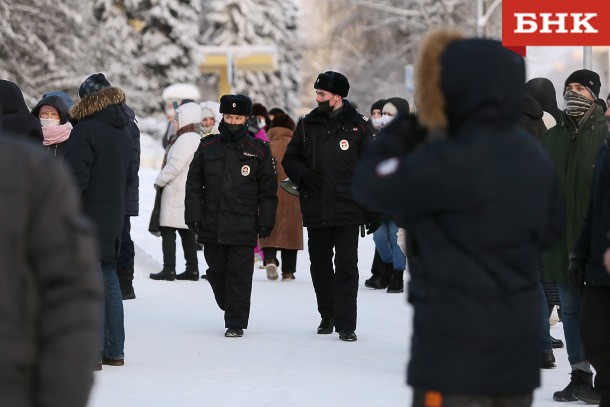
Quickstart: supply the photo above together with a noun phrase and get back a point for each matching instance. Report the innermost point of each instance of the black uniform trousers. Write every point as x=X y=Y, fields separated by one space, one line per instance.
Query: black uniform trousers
x=595 y=335
x=336 y=290
x=230 y=275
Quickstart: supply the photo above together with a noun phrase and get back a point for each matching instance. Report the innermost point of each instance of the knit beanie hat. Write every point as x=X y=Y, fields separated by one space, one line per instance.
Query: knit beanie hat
x=395 y=106
x=378 y=105
x=333 y=82
x=93 y=83
x=586 y=78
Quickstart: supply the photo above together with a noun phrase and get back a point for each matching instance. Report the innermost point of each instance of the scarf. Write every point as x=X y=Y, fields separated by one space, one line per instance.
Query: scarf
x=576 y=105
x=56 y=134
x=172 y=139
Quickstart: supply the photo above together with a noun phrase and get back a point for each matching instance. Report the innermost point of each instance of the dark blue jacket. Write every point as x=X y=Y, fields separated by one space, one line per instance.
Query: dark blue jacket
x=132 y=193
x=593 y=239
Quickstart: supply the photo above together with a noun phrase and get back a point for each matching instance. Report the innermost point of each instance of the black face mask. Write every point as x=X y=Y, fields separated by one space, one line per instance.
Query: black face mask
x=233 y=128
x=325 y=107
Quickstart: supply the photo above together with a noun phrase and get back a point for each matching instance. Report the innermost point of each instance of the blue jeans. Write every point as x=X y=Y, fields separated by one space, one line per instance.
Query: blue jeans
x=387 y=245
x=571 y=301
x=112 y=330
x=547 y=346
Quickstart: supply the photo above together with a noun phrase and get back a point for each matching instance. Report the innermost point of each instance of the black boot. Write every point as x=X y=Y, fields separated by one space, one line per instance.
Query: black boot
x=374 y=281
x=191 y=273
x=125 y=281
x=397 y=284
x=326 y=326
x=548 y=360
x=168 y=274
x=556 y=343
x=380 y=279
x=580 y=381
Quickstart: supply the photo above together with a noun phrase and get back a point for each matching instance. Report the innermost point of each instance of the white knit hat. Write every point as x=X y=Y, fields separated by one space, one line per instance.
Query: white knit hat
x=188 y=113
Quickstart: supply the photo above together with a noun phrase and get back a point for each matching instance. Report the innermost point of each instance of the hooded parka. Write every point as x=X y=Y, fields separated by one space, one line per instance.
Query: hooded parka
x=480 y=201
x=99 y=154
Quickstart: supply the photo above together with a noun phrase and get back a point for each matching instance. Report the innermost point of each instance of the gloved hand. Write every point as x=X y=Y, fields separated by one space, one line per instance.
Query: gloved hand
x=576 y=271
x=264 y=231
x=372 y=222
x=312 y=179
x=194 y=227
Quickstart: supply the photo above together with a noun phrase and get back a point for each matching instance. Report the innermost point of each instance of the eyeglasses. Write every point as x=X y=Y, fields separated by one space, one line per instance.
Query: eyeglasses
x=48 y=115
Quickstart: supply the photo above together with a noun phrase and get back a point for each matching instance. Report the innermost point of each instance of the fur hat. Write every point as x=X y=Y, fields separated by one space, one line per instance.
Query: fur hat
x=396 y=106
x=236 y=104
x=93 y=83
x=378 y=105
x=333 y=82
x=276 y=110
x=586 y=78
x=188 y=113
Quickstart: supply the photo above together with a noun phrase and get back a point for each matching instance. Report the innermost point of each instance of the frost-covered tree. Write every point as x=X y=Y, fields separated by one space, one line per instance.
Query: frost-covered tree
x=41 y=47
x=245 y=22
x=372 y=42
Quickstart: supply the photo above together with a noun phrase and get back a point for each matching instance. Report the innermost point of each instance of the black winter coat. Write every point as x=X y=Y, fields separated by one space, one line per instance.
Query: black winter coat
x=50 y=291
x=593 y=239
x=132 y=193
x=99 y=154
x=231 y=188
x=333 y=148
x=480 y=205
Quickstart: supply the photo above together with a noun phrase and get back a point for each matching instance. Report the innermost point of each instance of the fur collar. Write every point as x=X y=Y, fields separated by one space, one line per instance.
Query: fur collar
x=96 y=102
x=429 y=97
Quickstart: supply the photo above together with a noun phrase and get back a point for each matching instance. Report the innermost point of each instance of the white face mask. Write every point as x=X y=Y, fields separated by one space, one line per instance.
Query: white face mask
x=206 y=129
x=385 y=119
x=377 y=122
x=49 y=122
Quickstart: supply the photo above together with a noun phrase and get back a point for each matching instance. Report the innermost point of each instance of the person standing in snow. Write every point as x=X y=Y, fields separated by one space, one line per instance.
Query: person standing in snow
x=231 y=199
x=321 y=158
x=125 y=264
x=172 y=178
x=480 y=200
x=573 y=145
x=52 y=112
x=287 y=235
x=99 y=155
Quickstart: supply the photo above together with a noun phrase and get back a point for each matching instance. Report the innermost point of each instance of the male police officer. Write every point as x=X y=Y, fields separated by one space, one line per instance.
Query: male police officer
x=231 y=196
x=320 y=158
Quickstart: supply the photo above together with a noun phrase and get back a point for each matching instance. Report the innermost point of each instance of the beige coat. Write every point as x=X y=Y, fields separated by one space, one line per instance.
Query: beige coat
x=288 y=230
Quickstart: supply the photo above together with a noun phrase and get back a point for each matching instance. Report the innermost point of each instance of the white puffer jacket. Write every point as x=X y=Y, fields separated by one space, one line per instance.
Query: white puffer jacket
x=173 y=175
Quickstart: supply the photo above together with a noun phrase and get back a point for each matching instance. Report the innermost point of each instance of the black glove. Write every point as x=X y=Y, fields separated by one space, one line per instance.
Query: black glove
x=194 y=227
x=576 y=271
x=264 y=231
x=372 y=222
x=312 y=179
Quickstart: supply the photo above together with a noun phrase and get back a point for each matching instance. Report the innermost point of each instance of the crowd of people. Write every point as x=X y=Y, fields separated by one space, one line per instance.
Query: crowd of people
x=491 y=197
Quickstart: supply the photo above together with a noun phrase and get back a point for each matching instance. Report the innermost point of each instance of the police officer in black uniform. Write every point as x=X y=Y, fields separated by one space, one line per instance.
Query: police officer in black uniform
x=231 y=197
x=320 y=158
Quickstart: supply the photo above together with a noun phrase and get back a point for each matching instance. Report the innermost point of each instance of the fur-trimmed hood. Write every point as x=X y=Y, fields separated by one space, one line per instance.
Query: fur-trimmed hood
x=463 y=81
x=96 y=102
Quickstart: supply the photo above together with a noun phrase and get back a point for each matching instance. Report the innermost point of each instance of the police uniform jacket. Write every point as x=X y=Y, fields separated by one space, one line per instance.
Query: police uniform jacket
x=331 y=146
x=231 y=189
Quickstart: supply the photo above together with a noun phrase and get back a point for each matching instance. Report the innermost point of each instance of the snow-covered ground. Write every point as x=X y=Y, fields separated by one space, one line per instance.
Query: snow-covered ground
x=176 y=353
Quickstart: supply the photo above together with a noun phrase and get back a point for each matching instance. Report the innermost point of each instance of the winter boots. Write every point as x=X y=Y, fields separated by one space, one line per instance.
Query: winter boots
x=271 y=269
x=326 y=326
x=347 y=335
x=380 y=279
x=287 y=276
x=191 y=273
x=580 y=382
x=234 y=333
x=397 y=283
x=168 y=274
x=548 y=360
x=125 y=280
